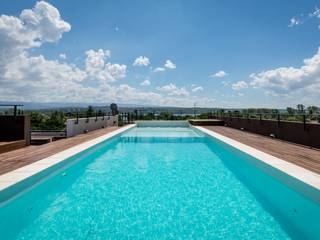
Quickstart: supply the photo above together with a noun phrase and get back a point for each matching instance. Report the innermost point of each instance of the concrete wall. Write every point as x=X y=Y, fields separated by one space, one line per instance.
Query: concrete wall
x=85 y=124
x=15 y=128
x=162 y=123
x=288 y=131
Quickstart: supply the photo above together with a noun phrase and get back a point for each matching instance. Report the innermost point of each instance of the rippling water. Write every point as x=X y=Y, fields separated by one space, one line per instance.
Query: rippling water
x=141 y=186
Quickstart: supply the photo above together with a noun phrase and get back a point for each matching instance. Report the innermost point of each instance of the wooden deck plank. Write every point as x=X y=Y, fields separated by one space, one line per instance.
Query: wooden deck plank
x=297 y=154
x=10 y=146
x=303 y=156
x=21 y=157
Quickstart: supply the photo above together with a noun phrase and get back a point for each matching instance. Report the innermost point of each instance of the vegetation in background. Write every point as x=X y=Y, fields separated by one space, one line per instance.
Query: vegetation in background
x=90 y=112
x=55 y=120
x=310 y=114
x=290 y=114
x=114 y=109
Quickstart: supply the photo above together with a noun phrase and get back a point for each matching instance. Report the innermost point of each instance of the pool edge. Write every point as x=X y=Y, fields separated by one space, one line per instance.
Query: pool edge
x=13 y=178
x=306 y=181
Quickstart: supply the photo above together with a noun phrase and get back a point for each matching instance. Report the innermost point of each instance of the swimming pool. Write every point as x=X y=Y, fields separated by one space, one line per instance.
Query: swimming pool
x=160 y=183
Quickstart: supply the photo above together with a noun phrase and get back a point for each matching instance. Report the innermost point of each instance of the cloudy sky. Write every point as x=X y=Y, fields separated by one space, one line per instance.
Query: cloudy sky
x=228 y=53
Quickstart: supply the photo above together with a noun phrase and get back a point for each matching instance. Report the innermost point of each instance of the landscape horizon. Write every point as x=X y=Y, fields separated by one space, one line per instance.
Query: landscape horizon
x=160 y=119
x=137 y=54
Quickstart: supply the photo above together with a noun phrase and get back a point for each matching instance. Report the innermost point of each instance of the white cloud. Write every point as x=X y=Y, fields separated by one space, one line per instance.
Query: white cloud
x=97 y=68
x=45 y=22
x=239 y=85
x=141 y=61
x=294 y=22
x=38 y=79
x=167 y=65
x=315 y=13
x=31 y=29
x=173 y=90
x=170 y=65
x=62 y=56
x=26 y=77
x=159 y=69
x=145 y=83
x=96 y=59
x=219 y=74
x=286 y=80
x=34 y=78
x=196 y=88
x=126 y=93
x=117 y=71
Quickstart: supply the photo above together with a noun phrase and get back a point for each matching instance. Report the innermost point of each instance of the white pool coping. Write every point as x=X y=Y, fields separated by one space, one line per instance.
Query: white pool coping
x=11 y=178
x=304 y=175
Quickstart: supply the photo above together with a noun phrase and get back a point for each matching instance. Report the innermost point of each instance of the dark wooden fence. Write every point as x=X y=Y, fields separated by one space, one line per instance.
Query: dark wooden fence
x=302 y=132
x=14 y=128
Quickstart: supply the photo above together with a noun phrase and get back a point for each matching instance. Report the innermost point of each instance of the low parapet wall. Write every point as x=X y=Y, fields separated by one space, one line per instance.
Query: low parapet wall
x=82 y=125
x=306 y=134
x=13 y=128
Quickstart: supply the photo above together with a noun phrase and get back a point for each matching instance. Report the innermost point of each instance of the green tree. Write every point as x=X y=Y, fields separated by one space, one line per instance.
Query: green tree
x=204 y=115
x=244 y=111
x=291 y=110
x=56 y=121
x=114 y=109
x=165 y=116
x=38 y=120
x=300 y=108
x=90 y=111
x=148 y=116
x=135 y=111
x=312 y=110
x=252 y=110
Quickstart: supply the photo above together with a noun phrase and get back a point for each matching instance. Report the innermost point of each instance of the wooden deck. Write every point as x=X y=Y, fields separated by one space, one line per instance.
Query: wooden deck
x=12 y=145
x=303 y=156
x=18 y=158
x=300 y=155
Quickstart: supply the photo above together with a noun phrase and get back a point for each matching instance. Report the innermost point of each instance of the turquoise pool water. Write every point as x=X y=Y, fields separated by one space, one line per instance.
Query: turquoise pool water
x=160 y=183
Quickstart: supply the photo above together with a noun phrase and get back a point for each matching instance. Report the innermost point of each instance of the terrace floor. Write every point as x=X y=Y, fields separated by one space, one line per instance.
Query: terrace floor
x=302 y=156
x=21 y=157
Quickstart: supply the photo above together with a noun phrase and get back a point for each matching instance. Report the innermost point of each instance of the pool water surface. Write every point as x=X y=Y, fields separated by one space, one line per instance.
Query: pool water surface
x=159 y=183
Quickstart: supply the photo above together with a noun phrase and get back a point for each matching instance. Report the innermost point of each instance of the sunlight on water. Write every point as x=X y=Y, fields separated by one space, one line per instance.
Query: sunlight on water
x=139 y=188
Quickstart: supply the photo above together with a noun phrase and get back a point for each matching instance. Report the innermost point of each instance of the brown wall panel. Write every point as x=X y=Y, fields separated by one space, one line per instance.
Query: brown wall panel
x=14 y=128
x=308 y=134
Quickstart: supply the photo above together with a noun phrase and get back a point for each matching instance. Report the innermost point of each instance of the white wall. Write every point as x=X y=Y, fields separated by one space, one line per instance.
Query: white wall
x=84 y=125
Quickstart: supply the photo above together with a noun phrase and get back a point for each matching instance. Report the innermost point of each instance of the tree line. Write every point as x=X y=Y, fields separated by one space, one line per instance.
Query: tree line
x=56 y=120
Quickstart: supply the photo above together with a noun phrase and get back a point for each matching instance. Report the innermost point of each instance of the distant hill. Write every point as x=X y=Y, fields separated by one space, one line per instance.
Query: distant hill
x=59 y=105
x=72 y=107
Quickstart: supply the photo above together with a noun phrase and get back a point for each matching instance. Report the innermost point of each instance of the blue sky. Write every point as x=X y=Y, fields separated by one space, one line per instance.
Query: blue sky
x=256 y=52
